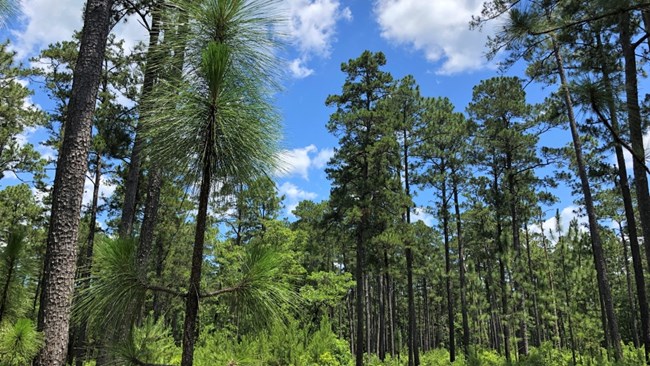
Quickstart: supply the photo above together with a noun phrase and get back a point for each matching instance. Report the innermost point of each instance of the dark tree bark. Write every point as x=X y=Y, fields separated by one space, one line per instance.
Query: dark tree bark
x=61 y=251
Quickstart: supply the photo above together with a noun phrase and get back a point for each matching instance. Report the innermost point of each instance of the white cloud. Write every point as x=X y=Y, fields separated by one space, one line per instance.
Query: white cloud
x=312 y=28
x=299 y=70
x=323 y=157
x=312 y=24
x=421 y=214
x=567 y=215
x=49 y=21
x=293 y=195
x=298 y=162
x=105 y=190
x=438 y=28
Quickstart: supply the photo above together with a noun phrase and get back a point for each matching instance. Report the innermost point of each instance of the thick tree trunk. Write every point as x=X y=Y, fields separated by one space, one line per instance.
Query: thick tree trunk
x=597 y=248
x=61 y=250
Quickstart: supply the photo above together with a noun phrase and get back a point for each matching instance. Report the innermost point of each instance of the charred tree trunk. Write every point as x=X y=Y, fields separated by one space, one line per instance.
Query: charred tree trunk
x=61 y=250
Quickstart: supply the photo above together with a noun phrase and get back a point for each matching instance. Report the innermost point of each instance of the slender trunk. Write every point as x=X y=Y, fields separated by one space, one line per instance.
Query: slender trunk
x=628 y=281
x=547 y=263
x=133 y=176
x=630 y=218
x=61 y=250
x=160 y=261
x=88 y=260
x=567 y=300
x=414 y=357
x=5 y=289
x=152 y=202
x=636 y=129
x=533 y=280
x=382 y=318
x=597 y=248
x=193 y=293
x=359 y=292
x=450 y=295
x=502 y=258
x=461 y=269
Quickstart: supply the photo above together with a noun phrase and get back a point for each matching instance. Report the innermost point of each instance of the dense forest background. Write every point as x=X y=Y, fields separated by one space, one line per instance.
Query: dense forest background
x=196 y=261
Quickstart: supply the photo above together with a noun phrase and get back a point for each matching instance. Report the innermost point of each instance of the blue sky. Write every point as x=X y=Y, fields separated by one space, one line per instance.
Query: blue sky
x=428 y=39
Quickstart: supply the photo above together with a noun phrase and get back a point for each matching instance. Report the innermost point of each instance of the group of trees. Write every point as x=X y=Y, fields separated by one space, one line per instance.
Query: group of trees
x=197 y=265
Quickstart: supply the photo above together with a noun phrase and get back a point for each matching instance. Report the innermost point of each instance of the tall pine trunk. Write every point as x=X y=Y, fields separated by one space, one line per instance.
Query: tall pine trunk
x=629 y=216
x=636 y=130
x=461 y=268
x=194 y=291
x=133 y=176
x=596 y=243
x=61 y=250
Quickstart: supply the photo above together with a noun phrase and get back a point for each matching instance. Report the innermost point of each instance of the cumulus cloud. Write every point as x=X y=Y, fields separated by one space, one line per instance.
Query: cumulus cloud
x=567 y=215
x=311 y=27
x=298 y=162
x=323 y=157
x=439 y=29
x=299 y=70
x=293 y=195
x=47 y=21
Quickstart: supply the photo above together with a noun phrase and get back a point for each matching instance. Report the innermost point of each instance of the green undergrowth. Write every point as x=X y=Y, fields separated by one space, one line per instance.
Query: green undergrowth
x=292 y=344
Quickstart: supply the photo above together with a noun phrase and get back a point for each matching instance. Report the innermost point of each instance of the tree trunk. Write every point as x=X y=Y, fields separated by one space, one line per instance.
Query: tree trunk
x=61 y=250
x=194 y=290
x=547 y=263
x=628 y=281
x=450 y=295
x=533 y=279
x=81 y=340
x=152 y=201
x=597 y=248
x=630 y=218
x=461 y=269
x=133 y=176
x=636 y=130
x=359 y=292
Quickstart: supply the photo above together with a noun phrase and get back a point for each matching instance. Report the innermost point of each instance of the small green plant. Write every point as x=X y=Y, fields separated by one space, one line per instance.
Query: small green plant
x=19 y=342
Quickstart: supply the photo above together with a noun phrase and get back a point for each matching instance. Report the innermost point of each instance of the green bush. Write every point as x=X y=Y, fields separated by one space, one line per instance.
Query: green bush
x=19 y=343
